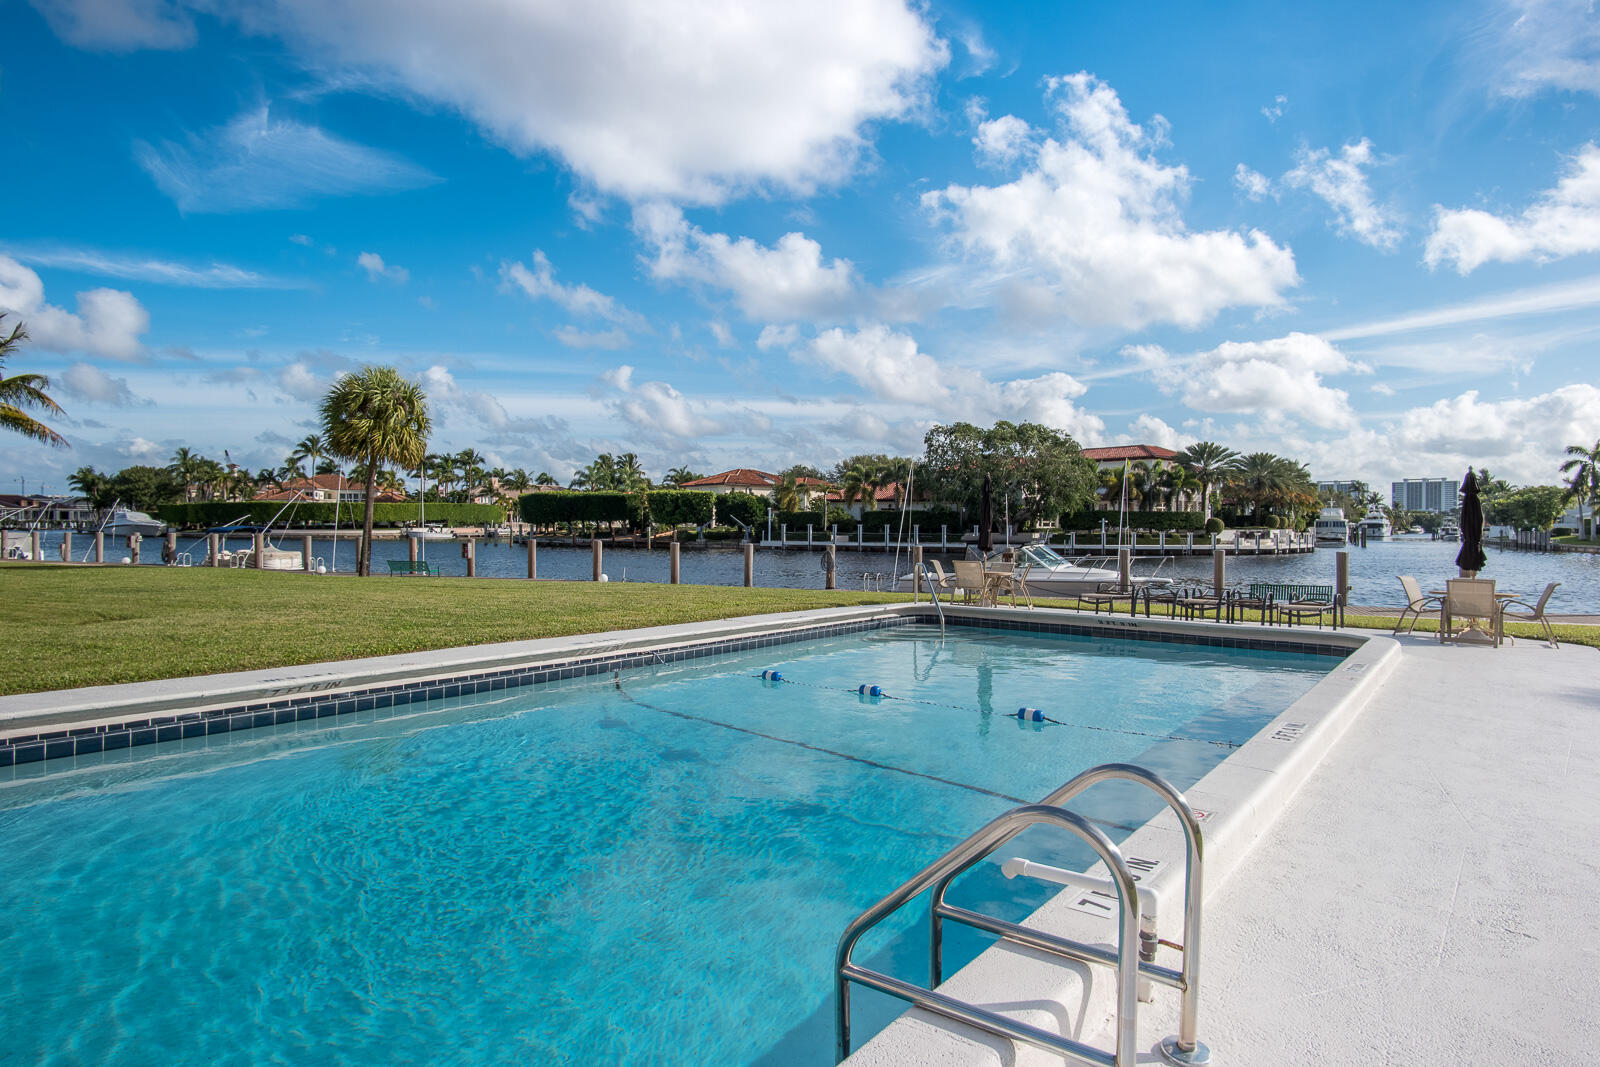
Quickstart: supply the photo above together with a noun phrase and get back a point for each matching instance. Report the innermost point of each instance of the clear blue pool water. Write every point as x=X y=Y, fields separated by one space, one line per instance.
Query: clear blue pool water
x=650 y=873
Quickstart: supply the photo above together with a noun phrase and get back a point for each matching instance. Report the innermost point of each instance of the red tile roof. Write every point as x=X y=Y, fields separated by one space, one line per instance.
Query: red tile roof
x=1129 y=452
x=740 y=476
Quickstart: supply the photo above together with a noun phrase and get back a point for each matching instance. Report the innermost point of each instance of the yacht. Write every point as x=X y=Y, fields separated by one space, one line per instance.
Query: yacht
x=1052 y=574
x=124 y=521
x=1375 y=527
x=1332 y=528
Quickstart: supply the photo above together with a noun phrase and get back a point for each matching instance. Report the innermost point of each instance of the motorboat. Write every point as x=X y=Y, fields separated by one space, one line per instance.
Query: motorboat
x=272 y=559
x=1052 y=574
x=1375 y=528
x=1331 y=527
x=125 y=521
x=1449 y=533
x=433 y=531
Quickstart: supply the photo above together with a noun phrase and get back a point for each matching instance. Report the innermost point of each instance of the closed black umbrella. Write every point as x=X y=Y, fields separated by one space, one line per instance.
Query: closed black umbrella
x=986 y=517
x=1471 y=558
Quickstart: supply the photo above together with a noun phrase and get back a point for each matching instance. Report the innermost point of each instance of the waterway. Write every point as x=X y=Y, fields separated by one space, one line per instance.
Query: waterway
x=1373 y=570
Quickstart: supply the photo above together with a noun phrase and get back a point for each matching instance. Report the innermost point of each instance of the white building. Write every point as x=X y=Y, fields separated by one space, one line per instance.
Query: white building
x=1427 y=494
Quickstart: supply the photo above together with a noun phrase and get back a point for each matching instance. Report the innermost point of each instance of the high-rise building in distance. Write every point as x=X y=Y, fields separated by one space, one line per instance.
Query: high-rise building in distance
x=1427 y=494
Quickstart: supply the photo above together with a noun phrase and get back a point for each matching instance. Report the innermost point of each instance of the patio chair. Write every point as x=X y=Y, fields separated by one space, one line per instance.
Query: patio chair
x=1535 y=613
x=1108 y=594
x=1418 y=603
x=970 y=580
x=1250 y=598
x=941 y=579
x=1470 y=599
x=1013 y=580
x=1202 y=599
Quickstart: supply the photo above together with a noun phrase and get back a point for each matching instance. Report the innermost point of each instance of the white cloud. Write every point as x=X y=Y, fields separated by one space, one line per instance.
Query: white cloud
x=90 y=383
x=1563 y=221
x=257 y=162
x=147 y=269
x=1277 y=379
x=1253 y=184
x=655 y=408
x=140 y=448
x=773 y=336
x=119 y=25
x=1562 y=297
x=1003 y=141
x=376 y=269
x=444 y=392
x=1149 y=430
x=665 y=98
x=1547 y=44
x=301 y=382
x=884 y=361
x=540 y=284
x=784 y=281
x=301 y=239
x=1520 y=438
x=1342 y=181
x=1092 y=227
x=722 y=333
x=610 y=340
x=108 y=322
x=1275 y=110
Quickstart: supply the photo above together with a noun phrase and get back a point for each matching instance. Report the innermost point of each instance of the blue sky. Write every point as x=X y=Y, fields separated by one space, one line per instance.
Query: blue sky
x=1364 y=235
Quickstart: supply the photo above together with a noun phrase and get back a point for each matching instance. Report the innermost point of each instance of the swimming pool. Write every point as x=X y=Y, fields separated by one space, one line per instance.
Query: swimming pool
x=653 y=867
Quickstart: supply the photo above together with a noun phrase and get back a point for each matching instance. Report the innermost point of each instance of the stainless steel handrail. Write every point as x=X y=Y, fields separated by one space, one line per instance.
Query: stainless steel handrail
x=1185 y=1048
x=933 y=591
x=962 y=856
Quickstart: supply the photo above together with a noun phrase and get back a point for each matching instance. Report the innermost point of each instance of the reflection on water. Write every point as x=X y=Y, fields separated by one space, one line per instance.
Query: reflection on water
x=1373 y=570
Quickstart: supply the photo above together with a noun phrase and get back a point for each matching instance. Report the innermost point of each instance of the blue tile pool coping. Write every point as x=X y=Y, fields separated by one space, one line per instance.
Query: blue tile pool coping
x=107 y=737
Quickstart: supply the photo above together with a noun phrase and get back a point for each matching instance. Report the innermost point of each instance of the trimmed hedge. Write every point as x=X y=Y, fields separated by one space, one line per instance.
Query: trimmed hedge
x=931 y=519
x=679 y=507
x=1170 y=521
x=748 y=508
x=542 y=509
x=207 y=513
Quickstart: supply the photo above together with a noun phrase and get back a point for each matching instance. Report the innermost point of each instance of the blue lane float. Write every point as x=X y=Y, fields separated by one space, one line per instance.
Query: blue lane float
x=771 y=676
x=870 y=690
x=1030 y=715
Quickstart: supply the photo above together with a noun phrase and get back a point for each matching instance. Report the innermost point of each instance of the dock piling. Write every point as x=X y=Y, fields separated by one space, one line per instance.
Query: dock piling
x=306 y=559
x=594 y=548
x=672 y=563
x=749 y=565
x=533 y=556
x=99 y=546
x=214 y=555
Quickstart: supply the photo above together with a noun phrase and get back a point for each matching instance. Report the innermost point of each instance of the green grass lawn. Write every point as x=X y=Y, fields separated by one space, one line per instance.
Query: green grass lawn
x=75 y=626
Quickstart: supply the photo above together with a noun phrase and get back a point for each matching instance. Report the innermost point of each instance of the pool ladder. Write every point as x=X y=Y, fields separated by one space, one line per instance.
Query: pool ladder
x=932 y=584
x=1131 y=964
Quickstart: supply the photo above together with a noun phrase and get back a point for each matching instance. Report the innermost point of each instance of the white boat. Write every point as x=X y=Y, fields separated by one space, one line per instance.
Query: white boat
x=124 y=521
x=1375 y=527
x=1450 y=533
x=431 y=532
x=1332 y=528
x=272 y=559
x=1052 y=574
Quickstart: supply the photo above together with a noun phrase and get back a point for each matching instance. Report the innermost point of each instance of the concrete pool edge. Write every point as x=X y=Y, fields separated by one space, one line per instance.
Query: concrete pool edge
x=1238 y=801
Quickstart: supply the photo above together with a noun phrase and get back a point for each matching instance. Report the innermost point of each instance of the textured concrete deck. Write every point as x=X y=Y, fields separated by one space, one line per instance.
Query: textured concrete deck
x=1432 y=894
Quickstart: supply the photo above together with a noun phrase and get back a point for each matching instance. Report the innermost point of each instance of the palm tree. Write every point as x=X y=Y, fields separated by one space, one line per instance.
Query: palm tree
x=92 y=486
x=1142 y=479
x=21 y=391
x=859 y=483
x=787 y=494
x=375 y=416
x=679 y=475
x=185 y=464
x=1259 y=478
x=1211 y=464
x=1584 y=486
x=517 y=481
x=311 y=447
x=545 y=478
x=631 y=477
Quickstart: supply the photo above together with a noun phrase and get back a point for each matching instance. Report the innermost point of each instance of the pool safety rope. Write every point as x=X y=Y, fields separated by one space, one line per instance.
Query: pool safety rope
x=1024 y=716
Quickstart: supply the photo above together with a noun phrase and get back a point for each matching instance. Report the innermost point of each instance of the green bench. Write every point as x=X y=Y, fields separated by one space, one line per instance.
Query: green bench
x=419 y=567
x=1300 y=603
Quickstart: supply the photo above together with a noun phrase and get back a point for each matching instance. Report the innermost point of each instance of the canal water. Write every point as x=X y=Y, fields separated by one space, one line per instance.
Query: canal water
x=1373 y=569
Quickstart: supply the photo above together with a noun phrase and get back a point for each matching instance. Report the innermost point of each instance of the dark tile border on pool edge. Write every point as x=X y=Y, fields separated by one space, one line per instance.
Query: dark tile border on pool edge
x=108 y=737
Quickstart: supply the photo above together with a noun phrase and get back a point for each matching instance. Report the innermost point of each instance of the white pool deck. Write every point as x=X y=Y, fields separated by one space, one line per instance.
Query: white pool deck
x=1429 y=895
x=1432 y=893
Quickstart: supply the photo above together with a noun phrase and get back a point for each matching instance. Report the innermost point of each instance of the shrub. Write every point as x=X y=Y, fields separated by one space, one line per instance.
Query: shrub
x=1170 y=521
x=1215 y=525
x=930 y=519
x=207 y=513
x=542 y=509
x=748 y=508
x=679 y=507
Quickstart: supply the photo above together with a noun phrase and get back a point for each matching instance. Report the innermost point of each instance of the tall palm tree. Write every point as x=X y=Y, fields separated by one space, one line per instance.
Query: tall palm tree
x=375 y=416
x=21 y=391
x=787 y=494
x=517 y=481
x=1211 y=464
x=185 y=464
x=1259 y=478
x=631 y=477
x=1584 y=484
x=310 y=447
x=679 y=475
x=545 y=478
x=860 y=483
x=92 y=486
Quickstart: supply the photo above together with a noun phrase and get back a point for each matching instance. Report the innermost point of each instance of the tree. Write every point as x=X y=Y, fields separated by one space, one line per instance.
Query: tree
x=545 y=478
x=517 y=481
x=859 y=484
x=1040 y=471
x=144 y=487
x=787 y=494
x=25 y=391
x=802 y=470
x=1583 y=485
x=312 y=449
x=1211 y=464
x=92 y=486
x=375 y=416
x=1533 y=507
x=680 y=475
